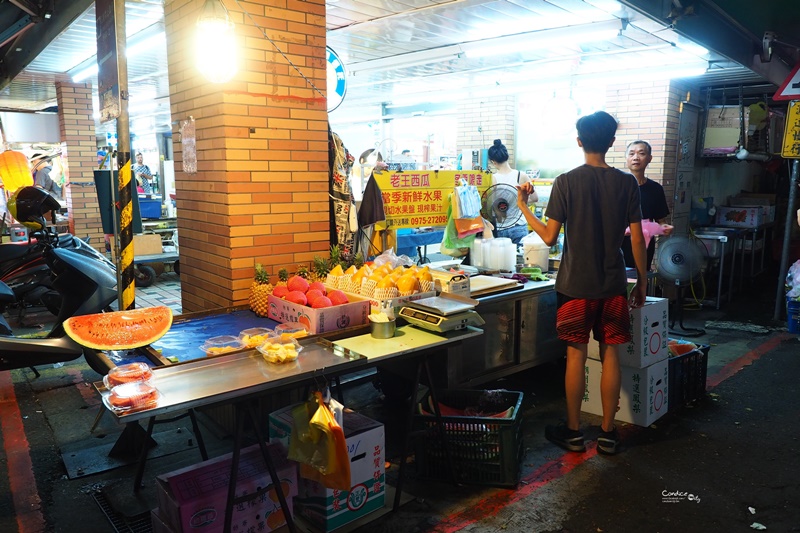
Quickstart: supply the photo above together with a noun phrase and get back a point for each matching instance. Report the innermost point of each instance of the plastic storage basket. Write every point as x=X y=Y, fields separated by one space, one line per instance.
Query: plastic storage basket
x=484 y=450
x=687 y=377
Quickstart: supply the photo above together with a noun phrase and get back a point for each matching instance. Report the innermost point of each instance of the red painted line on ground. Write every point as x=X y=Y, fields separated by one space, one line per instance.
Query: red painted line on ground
x=745 y=360
x=529 y=484
x=566 y=463
x=27 y=505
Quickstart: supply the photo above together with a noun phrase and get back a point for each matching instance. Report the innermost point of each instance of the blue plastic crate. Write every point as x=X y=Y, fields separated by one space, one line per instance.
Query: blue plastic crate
x=150 y=208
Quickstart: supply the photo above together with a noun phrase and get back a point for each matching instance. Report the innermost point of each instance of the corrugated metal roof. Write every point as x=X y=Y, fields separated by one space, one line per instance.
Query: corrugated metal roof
x=398 y=49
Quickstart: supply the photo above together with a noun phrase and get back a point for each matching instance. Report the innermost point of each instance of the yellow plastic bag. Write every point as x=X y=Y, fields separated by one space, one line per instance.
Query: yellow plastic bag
x=318 y=444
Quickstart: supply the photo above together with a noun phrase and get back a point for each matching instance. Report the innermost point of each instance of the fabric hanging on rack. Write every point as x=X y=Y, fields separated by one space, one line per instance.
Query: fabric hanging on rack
x=342 y=207
x=370 y=217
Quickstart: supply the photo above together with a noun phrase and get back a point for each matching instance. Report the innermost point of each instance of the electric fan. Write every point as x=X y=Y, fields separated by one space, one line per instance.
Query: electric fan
x=680 y=262
x=499 y=205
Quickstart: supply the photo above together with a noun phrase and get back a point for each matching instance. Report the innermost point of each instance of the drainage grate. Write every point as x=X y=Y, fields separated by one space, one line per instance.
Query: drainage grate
x=121 y=524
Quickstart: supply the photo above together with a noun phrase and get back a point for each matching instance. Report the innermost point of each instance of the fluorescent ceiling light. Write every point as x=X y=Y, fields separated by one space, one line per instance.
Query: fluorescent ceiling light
x=159 y=39
x=85 y=73
x=692 y=48
x=545 y=38
x=552 y=38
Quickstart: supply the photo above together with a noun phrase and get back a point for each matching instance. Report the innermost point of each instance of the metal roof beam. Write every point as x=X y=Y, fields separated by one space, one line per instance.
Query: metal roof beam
x=36 y=39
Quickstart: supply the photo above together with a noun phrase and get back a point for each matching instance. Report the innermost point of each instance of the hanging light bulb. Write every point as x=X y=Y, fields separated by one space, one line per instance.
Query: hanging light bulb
x=216 y=43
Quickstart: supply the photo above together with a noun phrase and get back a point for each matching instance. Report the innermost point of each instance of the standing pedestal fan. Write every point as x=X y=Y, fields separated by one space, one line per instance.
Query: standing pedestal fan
x=680 y=262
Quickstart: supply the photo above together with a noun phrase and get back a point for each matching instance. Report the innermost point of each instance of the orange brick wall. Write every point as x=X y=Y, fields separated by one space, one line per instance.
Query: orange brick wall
x=649 y=111
x=79 y=156
x=260 y=194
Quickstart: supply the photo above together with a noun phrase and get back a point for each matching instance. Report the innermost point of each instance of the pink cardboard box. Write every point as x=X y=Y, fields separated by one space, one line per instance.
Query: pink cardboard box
x=740 y=217
x=323 y=320
x=193 y=498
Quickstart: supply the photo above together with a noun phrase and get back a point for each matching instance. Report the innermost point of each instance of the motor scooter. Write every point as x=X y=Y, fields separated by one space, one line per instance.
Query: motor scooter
x=23 y=268
x=85 y=286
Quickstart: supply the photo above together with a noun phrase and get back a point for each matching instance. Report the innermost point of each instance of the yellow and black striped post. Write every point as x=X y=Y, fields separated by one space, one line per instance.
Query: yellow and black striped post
x=127 y=288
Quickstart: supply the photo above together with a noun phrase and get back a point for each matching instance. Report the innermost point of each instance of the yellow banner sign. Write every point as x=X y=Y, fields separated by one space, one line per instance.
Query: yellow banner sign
x=417 y=198
x=791 y=138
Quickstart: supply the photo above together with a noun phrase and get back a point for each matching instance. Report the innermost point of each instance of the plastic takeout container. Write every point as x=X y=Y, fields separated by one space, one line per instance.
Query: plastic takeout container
x=277 y=350
x=221 y=344
x=291 y=329
x=132 y=396
x=252 y=337
x=129 y=373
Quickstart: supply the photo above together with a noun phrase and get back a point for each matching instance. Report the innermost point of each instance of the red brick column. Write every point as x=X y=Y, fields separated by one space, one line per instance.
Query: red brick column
x=79 y=156
x=260 y=194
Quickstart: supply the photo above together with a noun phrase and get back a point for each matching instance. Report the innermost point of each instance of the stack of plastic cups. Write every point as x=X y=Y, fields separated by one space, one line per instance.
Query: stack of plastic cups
x=475 y=252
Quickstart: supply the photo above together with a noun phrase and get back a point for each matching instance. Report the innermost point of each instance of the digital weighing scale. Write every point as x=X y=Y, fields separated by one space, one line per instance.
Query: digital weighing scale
x=447 y=312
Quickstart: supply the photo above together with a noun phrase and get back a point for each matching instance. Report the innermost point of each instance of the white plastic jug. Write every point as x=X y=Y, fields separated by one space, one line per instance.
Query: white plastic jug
x=476 y=255
x=535 y=252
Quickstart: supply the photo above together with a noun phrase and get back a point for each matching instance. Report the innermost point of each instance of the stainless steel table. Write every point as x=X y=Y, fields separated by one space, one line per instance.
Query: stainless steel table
x=241 y=377
x=727 y=238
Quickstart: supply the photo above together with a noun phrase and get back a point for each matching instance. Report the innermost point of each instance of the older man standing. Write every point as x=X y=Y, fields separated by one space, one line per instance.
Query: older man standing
x=654 y=201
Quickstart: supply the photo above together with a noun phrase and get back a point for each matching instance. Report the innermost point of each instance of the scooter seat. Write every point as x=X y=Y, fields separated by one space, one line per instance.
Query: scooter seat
x=12 y=251
x=6 y=294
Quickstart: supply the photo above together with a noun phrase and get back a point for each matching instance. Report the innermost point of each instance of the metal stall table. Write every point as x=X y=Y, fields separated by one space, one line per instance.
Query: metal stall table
x=239 y=378
x=519 y=334
x=720 y=242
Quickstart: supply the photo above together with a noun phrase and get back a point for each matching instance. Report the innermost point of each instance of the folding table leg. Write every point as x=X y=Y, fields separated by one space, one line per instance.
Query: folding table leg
x=200 y=442
x=137 y=481
x=407 y=439
x=237 y=448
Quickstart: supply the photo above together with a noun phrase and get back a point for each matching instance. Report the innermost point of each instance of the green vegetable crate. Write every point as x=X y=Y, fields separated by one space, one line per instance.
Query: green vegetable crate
x=485 y=450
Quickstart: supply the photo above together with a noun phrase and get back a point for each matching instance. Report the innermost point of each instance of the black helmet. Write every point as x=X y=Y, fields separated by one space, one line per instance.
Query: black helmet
x=29 y=204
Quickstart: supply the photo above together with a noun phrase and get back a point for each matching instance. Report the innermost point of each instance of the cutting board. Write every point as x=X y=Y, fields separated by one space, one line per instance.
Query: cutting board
x=406 y=339
x=482 y=285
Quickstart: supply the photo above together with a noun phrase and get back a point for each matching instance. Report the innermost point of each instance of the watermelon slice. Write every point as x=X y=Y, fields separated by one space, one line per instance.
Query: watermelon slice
x=120 y=330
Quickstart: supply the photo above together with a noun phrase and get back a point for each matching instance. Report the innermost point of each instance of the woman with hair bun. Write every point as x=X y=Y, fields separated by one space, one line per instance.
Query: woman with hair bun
x=498 y=156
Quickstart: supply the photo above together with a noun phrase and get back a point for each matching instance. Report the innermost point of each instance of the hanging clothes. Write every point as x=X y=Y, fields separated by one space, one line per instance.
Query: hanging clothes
x=343 y=225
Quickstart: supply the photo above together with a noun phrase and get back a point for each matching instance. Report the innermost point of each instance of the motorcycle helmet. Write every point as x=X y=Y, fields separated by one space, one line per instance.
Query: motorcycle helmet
x=28 y=206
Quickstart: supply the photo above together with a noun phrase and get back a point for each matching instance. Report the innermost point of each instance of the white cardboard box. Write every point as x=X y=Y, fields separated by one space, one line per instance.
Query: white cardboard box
x=329 y=509
x=649 y=332
x=643 y=395
x=740 y=217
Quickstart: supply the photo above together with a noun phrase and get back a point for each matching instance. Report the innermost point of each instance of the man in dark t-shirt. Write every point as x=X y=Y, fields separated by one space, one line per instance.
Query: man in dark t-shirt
x=654 y=201
x=595 y=203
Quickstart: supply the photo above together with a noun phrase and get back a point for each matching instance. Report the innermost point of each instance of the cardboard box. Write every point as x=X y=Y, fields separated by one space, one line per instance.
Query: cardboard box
x=766 y=201
x=329 y=509
x=450 y=282
x=649 y=331
x=193 y=498
x=147 y=244
x=644 y=395
x=158 y=524
x=324 y=320
x=740 y=217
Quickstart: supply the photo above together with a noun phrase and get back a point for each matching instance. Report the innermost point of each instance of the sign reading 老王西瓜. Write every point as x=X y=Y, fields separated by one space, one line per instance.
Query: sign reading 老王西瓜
x=418 y=198
x=791 y=137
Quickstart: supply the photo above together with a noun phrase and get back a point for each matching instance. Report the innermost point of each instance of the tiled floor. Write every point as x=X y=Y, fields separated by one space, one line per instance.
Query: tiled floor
x=166 y=290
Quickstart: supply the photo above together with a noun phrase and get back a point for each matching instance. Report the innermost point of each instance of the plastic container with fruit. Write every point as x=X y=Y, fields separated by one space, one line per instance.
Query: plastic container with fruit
x=132 y=396
x=221 y=344
x=252 y=337
x=277 y=350
x=129 y=373
x=290 y=330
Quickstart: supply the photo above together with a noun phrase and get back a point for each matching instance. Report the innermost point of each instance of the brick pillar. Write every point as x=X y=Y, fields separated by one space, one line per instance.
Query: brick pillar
x=482 y=120
x=260 y=194
x=79 y=157
x=649 y=111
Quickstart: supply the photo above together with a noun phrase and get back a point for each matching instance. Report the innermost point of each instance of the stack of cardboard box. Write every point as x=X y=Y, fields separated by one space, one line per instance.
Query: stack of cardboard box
x=644 y=368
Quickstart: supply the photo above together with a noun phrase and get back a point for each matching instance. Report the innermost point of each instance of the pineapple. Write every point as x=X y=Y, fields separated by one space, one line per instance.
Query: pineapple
x=302 y=271
x=335 y=257
x=260 y=290
x=320 y=268
x=283 y=276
